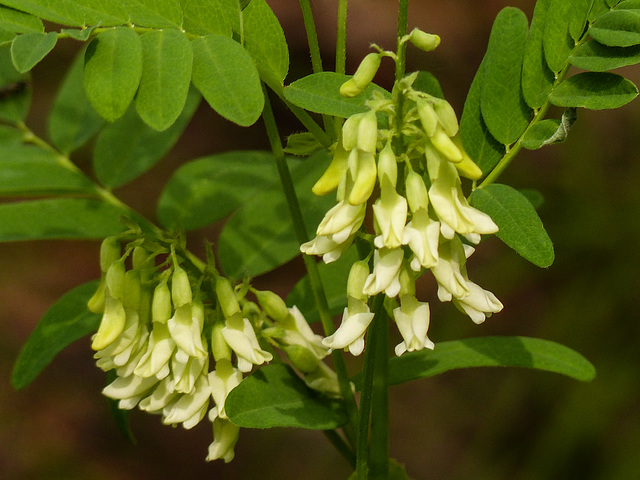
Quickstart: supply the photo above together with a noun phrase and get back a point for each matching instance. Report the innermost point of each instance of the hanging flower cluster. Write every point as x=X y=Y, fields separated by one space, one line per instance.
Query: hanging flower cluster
x=179 y=343
x=407 y=146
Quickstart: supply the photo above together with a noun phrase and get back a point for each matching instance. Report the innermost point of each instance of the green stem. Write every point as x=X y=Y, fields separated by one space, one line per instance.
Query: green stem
x=403 y=19
x=342 y=447
x=341 y=40
x=312 y=35
x=312 y=268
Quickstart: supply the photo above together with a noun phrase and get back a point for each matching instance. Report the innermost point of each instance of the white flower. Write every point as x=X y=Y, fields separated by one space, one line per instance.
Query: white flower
x=355 y=321
x=479 y=304
x=390 y=212
x=386 y=273
x=422 y=235
x=240 y=336
x=222 y=380
x=186 y=328
x=450 y=271
x=155 y=361
x=185 y=370
x=324 y=380
x=189 y=408
x=129 y=390
x=412 y=319
x=449 y=203
x=298 y=332
x=161 y=396
x=225 y=437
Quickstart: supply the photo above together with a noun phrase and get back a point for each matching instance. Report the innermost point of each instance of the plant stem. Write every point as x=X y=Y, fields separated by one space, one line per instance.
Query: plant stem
x=312 y=268
x=403 y=19
x=341 y=40
x=312 y=35
x=342 y=447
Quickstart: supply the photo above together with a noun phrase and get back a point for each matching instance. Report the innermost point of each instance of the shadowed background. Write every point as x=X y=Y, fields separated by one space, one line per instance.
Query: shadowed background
x=484 y=424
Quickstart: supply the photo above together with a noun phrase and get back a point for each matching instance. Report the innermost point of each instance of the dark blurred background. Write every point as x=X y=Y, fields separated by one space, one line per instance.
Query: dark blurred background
x=484 y=424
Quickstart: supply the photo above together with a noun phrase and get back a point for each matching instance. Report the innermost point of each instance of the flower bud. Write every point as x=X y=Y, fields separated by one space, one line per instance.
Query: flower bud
x=96 y=302
x=115 y=279
x=333 y=174
x=445 y=146
x=180 y=287
x=407 y=282
x=363 y=76
x=388 y=165
x=350 y=130
x=161 y=304
x=226 y=297
x=364 y=176
x=219 y=347
x=428 y=117
x=368 y=132
x=424 y=41
x=446 y=116
x=302 y=358
x=357 y=278
x=112 y=323
x=467 y=167
x=417 y=196
x=272 y=305
x=139 y=257
x=110 y=252
x=132 y=290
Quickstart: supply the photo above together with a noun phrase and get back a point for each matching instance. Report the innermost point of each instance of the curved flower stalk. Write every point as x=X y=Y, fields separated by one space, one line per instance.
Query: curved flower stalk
x=420 y=215
x=178 y=349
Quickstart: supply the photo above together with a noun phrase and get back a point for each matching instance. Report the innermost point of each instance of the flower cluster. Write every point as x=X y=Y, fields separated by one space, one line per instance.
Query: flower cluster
x=407 y=147
x=176 y=347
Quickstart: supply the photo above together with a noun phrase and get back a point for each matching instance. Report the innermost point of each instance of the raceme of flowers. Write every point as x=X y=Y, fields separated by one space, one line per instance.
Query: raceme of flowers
x=407 y=146
x=178 y=348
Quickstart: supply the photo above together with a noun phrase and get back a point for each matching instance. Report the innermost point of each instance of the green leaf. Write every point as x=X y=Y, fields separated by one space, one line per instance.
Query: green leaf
x=578 y=20
x=334 y=277
x=274 y=396
x=549 y=131
x=537 y=78
x=485 y=150
x=155 y=14
x=595 y=91
x=63 y=12
x=65 y=322
x=260 y=236
x=29 y=48
x=129 y=147
x=520 y=226
x=265 y=41
x=599 y=58
x=629 y=5
x=534 y=196
x=503 y=108
x=599 y=7
x=302 y=144
x=557 y=41
x=617 y=28
x=73 y=121
x=232 y=88
x=27 y=170
x=19 y=22
x=427 y=83
x=15 y=94
x=59 y=218
x=113 y=66
x=6 y=37
x=202 y=17
x=81 y=35
x=208 y=189
x=490 y=352
x=166 y=76
x=320 y=93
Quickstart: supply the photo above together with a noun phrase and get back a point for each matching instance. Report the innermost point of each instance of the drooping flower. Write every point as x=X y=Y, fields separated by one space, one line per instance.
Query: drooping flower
x=479 y=304
x=412 y=319
x=386 y=273
x=225 y=437
x=241 y=337
x=350 y=334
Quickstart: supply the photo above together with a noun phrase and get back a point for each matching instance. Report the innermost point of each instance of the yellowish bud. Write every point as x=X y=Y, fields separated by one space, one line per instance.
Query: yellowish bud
x=110 y=252
x=424 y=41
x=180 y=287
x=331 y=177
x=388 y=165
x=428 y=117
x=467 y=167
x=445 y=146
x=115 y=279
x=112 y=324
x=417 y=196
x=273 y=305
x=301 y=357
x=161 y=303
x=226 y=297
x=368 y=132
x=363 y=76
x=364 y=174
x=96 y=302
x=446 y=116
x=357 y=278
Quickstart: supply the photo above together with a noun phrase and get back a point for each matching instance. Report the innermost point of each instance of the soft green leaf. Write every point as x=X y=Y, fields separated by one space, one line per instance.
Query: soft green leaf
x=113 y=66
x=10 y=137
x=617 y=28
x=599 y=7
x=259 y=236
x=302 y=144
x=557 y=40
x=485 y=150
x=520 y=226
x=274 y=396
x=129 y=147
x=59 y=218
x=65 y=322
x=152 y=13
x=265 y=41
x=320 y=93
x=578 y=20
x=428 y=83
x=490 y=352
x=29 y=48
x=537 y=78
x=599 y=58
x=19 y=22
x=503 y=108
x=166 y=76
x=334 y=277
x=73 y=121
x=208 y=189
x=633 y=5
x=6 y=37
x=64 y=12
x=202 y=17
x=28 y=170
x=534 y=196
x=232 y=88
x=594 y=90
x=15 y=93
x=81 y=35
x=549 y=131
